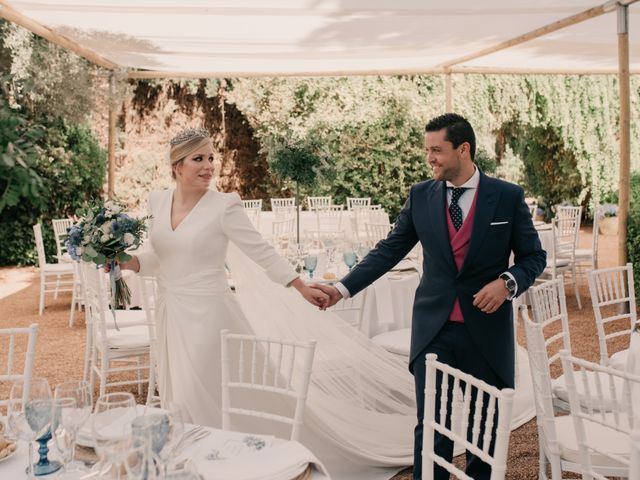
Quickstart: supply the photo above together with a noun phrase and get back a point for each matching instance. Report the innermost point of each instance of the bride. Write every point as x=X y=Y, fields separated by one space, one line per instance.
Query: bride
x=192 y=226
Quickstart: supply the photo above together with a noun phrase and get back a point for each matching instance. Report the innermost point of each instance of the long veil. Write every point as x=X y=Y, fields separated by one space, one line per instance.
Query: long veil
x=361 y=398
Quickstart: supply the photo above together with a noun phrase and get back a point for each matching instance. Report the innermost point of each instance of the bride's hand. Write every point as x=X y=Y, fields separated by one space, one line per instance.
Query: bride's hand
x=132 y=264
x=312 y=295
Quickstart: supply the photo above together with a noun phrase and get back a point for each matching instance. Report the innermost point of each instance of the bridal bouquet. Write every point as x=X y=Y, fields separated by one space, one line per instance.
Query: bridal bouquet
x=102 y=236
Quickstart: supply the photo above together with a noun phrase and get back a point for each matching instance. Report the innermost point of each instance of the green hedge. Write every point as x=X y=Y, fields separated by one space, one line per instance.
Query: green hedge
x=72 y=166
x=633 y=230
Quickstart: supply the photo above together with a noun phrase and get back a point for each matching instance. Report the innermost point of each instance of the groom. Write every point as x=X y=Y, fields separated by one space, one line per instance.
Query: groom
x=468 y=224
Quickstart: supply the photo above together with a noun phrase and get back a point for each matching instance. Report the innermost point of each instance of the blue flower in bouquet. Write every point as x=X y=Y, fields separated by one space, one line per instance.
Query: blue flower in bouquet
x=103 y=235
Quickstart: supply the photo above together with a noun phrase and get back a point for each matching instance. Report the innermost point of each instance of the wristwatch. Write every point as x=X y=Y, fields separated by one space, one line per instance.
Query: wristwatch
x=510 y=284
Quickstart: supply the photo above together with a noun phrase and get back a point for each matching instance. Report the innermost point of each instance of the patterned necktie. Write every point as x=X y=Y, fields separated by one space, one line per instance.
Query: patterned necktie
x=454 y=209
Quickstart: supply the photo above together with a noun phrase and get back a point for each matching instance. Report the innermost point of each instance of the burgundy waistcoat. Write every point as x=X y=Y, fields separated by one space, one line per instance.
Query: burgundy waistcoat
x=459 y=242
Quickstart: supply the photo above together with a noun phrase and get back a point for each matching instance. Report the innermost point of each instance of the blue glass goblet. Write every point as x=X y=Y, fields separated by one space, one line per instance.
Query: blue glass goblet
x=310 y=264
x=350 y=259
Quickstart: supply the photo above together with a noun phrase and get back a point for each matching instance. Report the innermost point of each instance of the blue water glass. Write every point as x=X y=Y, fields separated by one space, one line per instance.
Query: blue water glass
x=154 y=428
x=310 y=264
x=350 y=259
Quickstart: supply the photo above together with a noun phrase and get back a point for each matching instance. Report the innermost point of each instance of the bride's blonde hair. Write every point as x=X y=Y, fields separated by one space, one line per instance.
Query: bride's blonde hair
x=184 y=144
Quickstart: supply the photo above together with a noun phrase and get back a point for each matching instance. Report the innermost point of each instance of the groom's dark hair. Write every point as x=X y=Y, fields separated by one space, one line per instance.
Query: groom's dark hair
x=458 y=130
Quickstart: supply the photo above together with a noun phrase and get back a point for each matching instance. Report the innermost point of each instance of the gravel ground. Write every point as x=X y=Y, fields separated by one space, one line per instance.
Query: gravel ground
x=60 y=347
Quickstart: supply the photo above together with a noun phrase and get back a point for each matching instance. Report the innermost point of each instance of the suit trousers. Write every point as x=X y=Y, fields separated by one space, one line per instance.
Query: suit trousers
x=455 y=347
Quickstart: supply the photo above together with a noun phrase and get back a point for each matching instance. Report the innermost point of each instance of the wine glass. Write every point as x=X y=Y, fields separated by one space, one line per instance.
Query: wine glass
x=363 y=251
x=111 y=429
x=349 y=258
x=138 y=461
x=310 y=264
x=29 y=412
x=174 y=433
x=71 y=409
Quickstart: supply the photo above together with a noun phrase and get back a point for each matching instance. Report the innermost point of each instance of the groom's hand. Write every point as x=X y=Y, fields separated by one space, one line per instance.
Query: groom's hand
x=334 y=294
x=491 y=296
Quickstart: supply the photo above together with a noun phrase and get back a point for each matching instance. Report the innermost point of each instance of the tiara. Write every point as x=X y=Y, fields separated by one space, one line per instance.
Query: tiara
x=189 y=134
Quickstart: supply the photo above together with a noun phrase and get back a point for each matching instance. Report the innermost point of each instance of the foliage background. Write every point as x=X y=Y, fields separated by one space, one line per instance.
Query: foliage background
x=556 y=135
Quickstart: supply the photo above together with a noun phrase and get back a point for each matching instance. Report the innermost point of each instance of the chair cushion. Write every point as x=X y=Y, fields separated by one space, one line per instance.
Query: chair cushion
x=395 y=341
x=129 y=338
x=59 y=268
x=619 y=360
x=560 y=262
x=583 y=253
x=559 y=387
x=605 y=439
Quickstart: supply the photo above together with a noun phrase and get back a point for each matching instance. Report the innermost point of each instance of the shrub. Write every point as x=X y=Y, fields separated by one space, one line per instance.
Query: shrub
x=73 y=166
x=633 y=230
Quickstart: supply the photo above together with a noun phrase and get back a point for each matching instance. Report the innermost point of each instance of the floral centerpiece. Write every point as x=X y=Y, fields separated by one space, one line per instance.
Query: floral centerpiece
x=102 y=236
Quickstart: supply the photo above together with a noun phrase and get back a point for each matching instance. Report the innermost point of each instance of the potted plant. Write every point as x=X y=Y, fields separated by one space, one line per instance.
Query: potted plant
x=294 y=161
x=608 y=219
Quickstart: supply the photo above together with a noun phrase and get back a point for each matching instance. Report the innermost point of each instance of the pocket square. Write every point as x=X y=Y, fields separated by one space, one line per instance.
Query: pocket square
x=497 y=223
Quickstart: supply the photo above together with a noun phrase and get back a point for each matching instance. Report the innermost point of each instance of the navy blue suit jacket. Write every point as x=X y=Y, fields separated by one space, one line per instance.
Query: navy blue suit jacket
x=423 y=218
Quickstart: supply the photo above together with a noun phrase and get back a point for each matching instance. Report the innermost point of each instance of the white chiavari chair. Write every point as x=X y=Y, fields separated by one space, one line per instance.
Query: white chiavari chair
x=54 y=277
x=614 y=307
x=60 y=226
x=557 y=443
x=315 y=202
x=120 y=349
x=563 y=247
x=16 y=371
x=328 y=225
x=253 y=209
x=77 y=297
x=284 y=213
x=549 y=309
x=603 y=416
x=353 y=202
x=252 y=204
x=532 y=209
x=634 y=469
x=569 y=211
x=149 y=290
x=376 y=232
x=282 y=233
x=282 y=202
x=481 y=434
x=587 y=258
x=260 y=364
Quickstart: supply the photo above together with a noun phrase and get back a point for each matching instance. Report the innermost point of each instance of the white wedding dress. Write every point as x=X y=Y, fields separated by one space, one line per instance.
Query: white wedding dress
x=194 y=301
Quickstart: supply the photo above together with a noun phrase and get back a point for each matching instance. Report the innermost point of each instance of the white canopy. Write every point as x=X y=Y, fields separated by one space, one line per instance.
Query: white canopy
x=205 y=38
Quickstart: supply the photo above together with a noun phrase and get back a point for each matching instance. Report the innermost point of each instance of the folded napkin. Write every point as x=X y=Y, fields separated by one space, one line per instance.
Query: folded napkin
x=283 y=461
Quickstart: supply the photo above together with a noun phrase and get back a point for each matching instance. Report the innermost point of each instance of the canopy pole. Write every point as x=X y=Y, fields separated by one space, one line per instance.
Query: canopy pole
x=448 y=100
x=112 y=136
x=625 y=132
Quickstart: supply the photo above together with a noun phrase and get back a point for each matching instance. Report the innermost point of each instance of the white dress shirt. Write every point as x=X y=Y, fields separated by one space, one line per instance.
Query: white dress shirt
x=465 y=202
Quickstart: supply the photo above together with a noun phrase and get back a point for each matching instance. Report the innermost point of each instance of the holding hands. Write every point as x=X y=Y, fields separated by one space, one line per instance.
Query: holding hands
x=333 y=294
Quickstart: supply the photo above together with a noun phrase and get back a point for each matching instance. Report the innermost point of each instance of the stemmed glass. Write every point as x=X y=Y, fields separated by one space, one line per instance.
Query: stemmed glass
x=349 y=258
x=138 y=461
x=111 y=429
x=175 y=431
x=71 y=409
x=29 y=412
x=310 y=264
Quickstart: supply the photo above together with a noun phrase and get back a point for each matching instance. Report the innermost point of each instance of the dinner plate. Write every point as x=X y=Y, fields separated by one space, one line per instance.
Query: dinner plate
x=85 y=435
x=10 y=455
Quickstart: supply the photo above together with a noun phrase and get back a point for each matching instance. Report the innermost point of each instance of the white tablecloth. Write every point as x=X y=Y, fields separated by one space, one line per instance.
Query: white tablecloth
x=283 y=460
